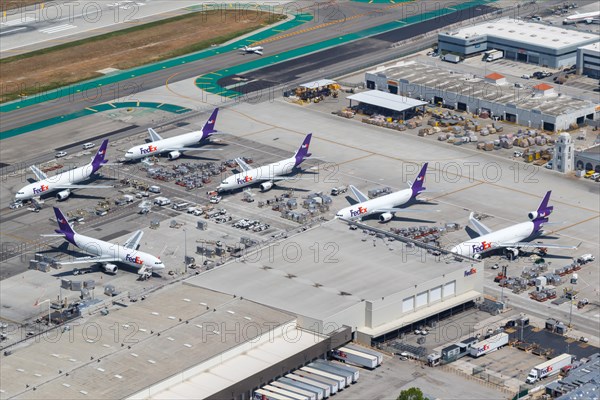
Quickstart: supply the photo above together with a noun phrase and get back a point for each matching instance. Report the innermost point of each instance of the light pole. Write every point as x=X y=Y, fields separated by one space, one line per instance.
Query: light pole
x=185 y=249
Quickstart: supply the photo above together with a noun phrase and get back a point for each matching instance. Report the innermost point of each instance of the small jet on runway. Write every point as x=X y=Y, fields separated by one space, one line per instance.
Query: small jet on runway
x=512 y=238
x=267 y=174
x=386 y=205
x=65 y=181
x=107 y=253
x=176 y=144
x=252 y=50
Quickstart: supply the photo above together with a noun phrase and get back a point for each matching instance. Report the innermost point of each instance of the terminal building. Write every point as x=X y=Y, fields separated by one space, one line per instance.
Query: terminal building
x=540 y=107
x=588 y=60
x=520 y=40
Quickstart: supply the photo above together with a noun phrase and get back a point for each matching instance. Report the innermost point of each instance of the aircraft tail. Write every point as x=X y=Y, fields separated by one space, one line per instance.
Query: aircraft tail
x=64 y=226
x=209 y=126
x=99 y=158
x=540 y=217
x=417 y=187
x=302 y=153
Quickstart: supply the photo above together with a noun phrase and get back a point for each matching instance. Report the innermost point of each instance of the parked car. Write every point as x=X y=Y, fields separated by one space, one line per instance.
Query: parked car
x=88 y=145
x=16 y=204
x=525 y=76
x=60 y=154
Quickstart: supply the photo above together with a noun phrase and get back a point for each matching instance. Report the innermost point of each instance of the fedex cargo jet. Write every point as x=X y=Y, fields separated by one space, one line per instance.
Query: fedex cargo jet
x=175 y=145
x=386 y=205
x=267 y=174
x=65 y=181
x=107 y=253
x=512 y=238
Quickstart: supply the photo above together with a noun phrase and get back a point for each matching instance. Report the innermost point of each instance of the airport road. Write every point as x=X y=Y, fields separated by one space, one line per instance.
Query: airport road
x=36 y=27
x=367 y=17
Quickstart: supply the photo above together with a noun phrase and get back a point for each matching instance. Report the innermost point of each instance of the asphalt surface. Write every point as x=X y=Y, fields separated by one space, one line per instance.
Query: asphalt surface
x=354 y=17
x=293 y=70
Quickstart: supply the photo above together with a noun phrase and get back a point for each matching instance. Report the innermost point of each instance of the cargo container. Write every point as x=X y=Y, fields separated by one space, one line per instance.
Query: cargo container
x=494 y=55
x=341 y=380
x=262 y=394
x=488 y=345
x=326 y=389
x=291 y=388
x=154 y=189
x=324 y=366
x=333 y=385
x=336 y=364
x=549 y=368
x=286 y=393
x=367 y=351
x=453 y=58
x=354 y=357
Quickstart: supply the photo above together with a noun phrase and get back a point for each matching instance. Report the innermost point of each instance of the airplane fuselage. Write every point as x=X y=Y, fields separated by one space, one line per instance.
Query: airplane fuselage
x=257 y=175
x=100 y=248
x=53 y=183
x=361 y=210
x=485 y=243
x=164 y=145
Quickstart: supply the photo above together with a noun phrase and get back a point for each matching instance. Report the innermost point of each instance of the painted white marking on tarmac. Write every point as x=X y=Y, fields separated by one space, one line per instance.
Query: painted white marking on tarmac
x=58 y=28
x=19 y=21
x=13 y=30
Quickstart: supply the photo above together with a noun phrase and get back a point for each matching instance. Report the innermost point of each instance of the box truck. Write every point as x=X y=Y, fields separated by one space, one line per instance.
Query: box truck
x=334 y=385
x=341 y=367
x=367 y=351
x=286 y=393
x=262 y=394
x=548 y=368
x=354 y=357
x=453 y=58
x=294 y=389
x=342 y=380
x=488 y=345
x=319 y=392
x=493 y=55
x=324 y=387
x=327 y=368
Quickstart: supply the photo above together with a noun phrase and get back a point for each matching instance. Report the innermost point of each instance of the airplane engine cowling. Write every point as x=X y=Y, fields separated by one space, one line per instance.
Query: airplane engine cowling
x=110 y=268
x=266 y=186
x=511 y=252
x=477 y=256
x=174 y=155
x=63 y=195
x=532 y=215
x=385 y=217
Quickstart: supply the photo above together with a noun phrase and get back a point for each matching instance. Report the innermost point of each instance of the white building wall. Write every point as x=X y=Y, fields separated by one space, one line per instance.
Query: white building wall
x=564 y=154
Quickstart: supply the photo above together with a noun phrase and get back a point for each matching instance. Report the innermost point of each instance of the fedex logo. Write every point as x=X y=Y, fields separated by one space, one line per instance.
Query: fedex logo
x=546 y=370
x=484 y=348
x=470 y=272
x=150 y=149
x=243 y=180
x=358 y=212
x=136 y=259
x=41 y=190
x=481 y=248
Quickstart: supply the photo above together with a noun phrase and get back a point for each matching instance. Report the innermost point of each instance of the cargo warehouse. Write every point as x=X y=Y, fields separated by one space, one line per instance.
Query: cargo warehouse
x=588 y=60
x=539 y=107
x=378 y=293
x=520 y=40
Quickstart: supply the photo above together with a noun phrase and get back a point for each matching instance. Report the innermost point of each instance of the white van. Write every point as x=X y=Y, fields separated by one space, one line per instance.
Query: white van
x=88 y=145
x=154 y=189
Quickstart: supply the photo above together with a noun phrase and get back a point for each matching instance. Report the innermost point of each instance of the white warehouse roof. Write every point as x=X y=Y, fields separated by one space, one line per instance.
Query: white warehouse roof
x=526 y=32
x=592 y=48
x=387 y=100
x=317 y=84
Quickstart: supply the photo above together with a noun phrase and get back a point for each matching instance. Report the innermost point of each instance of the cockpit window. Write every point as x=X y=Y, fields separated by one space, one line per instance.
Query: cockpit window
x=224 y=182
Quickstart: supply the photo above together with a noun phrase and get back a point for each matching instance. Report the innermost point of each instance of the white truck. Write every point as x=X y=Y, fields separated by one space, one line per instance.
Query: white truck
x=339 y=190
x=488 y=345
x=354 y=357
x=548 y=368
x=453 y=58
x=493 y=55
x=162 y=201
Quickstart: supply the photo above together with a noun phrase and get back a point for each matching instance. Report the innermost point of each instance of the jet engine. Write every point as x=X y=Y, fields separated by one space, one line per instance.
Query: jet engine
x=534 y=214
x=477 y=256
x=266 y=186
x=63 y=195
x=110 y=268
x=385 y=217
x=511 y=252
x=174 y=155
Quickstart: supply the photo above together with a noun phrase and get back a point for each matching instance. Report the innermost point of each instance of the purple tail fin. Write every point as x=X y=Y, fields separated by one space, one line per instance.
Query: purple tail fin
x=417 y=187
x=98 y=159
x=302 y=152
x=209 y=126
x=64 y=226
x=540 y=217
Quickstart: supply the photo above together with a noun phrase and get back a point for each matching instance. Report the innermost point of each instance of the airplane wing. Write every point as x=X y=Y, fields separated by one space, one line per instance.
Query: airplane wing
x=84 y=260
x=394 y=210
x=358 y=194
x=38 y=173
x=189 y=149
x=536 y=245
x=134 y=240
x=479 y=227
x=260 y=53
x=243 y=165
x=72 y=186
x=153 y=135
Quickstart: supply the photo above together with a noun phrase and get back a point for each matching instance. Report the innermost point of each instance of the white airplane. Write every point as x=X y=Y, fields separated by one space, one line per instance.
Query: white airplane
x=176 y=144
x=267 y=174
x=512 y=238
x=588 y=18
x=252 y=50
x=65 y=181
x=386 y=205
x=105 y=252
